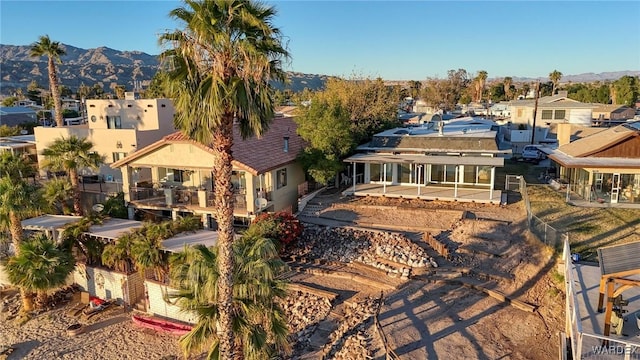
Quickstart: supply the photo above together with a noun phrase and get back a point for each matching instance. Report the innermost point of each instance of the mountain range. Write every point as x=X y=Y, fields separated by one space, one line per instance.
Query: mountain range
x=101 y=65
x=110 y=67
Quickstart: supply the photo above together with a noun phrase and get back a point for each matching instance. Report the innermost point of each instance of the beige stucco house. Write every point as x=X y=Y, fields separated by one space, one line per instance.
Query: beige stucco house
x=173 y=176
x=116 y=128
x=556 y=109
x=612 y=113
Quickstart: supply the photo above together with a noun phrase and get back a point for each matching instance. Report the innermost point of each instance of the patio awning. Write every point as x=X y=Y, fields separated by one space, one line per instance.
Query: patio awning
x=619 y=259
x=177 y=243
x=593 y=162
x=113 y=228
x=426 y=159
x=49 y=222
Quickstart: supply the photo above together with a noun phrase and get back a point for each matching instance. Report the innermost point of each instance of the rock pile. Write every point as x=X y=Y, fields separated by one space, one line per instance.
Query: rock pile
x=9 y=307
x=373 y=248
x=351 y=339
x=304 y=311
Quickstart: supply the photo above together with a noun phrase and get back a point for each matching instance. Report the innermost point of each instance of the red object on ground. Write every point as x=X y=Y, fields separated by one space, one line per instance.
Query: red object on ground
x=96 y=300
x=161 y=325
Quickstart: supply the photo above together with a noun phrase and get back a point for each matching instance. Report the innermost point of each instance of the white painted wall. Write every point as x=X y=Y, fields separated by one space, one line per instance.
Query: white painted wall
x=158 y=306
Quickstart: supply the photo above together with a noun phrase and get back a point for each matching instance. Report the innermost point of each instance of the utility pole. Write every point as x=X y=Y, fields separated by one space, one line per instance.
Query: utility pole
x=535 y=111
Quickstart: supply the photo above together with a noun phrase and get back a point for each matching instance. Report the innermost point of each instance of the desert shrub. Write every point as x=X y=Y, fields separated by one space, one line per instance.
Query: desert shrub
x=280 y=226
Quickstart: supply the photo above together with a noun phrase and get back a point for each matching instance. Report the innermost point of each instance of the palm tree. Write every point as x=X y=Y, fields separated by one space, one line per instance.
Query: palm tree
x=75 y=240
x=555 y=77
x=15 y=166
x=219 y=71
x=507 y=82
x=146 y=249
x=259 y=325
x=71 y=154
x=57 y=192
x=39 y=265
x=18 y=200
x=480 y=81
x=118 y=255
x=53 y=50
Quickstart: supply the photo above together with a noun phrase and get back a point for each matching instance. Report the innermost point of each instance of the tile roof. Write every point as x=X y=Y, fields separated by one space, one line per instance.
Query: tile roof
x=256 y=155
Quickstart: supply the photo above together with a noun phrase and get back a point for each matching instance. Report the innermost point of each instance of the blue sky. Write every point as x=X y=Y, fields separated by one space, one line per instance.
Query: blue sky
x=394 y=40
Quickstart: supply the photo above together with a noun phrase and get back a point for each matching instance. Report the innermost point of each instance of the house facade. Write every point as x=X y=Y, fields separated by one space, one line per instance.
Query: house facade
x=116 y=128
x=603 y=167
x=448 y=160
x=173 y=176
x=612 y=113
x=556 y=109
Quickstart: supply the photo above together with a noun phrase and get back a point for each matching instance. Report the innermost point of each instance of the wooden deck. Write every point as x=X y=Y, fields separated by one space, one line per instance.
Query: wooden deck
x=586 y=281
x=429 y=192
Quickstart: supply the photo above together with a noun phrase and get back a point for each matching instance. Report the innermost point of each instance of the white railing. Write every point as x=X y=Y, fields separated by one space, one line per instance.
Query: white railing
x=586 y=345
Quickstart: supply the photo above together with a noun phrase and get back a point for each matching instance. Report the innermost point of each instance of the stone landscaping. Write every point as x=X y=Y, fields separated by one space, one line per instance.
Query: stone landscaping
x=391 y=252
x=304 y=311
x=352 y=339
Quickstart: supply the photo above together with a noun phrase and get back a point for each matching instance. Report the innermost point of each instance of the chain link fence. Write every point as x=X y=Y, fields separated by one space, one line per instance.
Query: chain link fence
x=546 y=233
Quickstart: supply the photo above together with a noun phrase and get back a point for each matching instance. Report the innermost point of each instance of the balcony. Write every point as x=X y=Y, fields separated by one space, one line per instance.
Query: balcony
x=157 y=196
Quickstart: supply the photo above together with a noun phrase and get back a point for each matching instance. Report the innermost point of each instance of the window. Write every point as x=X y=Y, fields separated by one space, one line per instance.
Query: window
x=469 y=174
x=173 y=175
x=405 y=173
x=559 y=115
x=114 y=122
x=281 y=177
x=437 y=173
x=375 y=172
x=450 y=173
x=484 y=174
x=547 y=114
x=118 y=155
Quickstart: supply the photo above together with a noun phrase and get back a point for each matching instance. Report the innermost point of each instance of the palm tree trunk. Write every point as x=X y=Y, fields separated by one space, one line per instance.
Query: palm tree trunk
x=224 y=205
x=55 y=92
x=77 y=205
x=27 y=300
x=42 y=299
x=15 y=228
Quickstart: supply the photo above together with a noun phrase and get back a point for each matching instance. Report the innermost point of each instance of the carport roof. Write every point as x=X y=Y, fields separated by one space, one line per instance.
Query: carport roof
x=49 y=222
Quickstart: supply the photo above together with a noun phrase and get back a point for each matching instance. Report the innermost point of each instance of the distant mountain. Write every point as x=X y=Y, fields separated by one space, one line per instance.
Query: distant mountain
x=586 y=77
x=108 y=66
x=101 y=65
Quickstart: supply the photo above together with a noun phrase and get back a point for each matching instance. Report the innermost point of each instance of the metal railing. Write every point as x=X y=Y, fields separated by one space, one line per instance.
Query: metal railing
x=583 y=345
x=586 y=345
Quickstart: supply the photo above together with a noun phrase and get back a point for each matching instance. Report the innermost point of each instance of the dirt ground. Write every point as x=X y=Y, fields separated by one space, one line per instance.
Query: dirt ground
x=434 y=315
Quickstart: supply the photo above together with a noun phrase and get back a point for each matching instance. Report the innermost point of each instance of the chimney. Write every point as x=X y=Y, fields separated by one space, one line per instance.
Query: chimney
x=564 y=134
x=286 y=144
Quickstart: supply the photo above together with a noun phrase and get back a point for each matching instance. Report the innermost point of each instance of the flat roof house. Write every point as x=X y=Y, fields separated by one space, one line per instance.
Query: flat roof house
x=448 y=160
x=556 y=109
x=173 y=175
x=116 y=128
